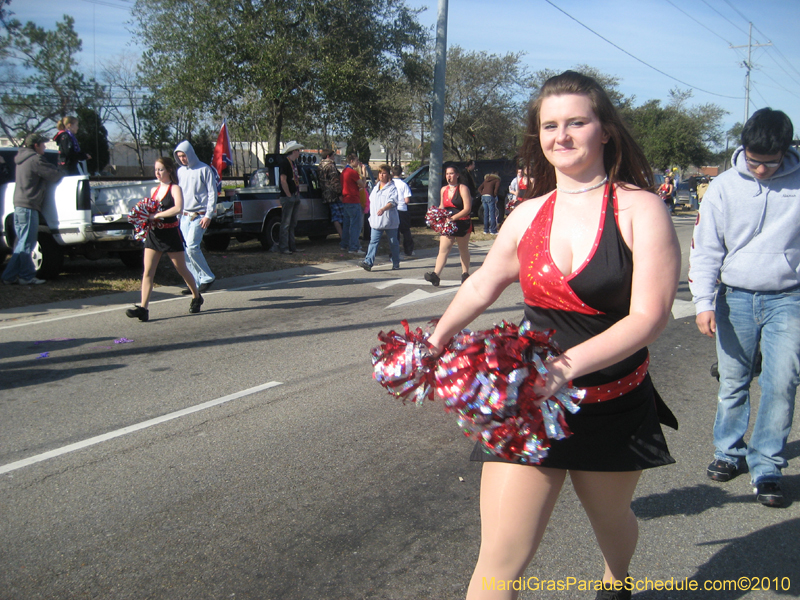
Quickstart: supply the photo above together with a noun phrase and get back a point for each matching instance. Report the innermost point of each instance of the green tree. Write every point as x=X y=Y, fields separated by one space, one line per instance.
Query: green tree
x=40 y=72
x=484 y=98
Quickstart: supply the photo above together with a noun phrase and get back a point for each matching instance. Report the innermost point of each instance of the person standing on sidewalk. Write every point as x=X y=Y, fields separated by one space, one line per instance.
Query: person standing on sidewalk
x=747 y=236
x=33 y=175
x=330 y=180
x=352 y=184
x=290 y=201
x=488 y=192
x=403 y=198
x=199 y=185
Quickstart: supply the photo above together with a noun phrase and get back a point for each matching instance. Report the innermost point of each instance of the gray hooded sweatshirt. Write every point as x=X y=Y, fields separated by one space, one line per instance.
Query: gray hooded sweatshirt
x=747 y=232
x=33 y=175
x=197 y=182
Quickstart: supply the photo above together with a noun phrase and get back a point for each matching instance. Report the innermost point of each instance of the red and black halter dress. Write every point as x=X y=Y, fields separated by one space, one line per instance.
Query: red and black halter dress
x=167 y=237
x=455 y=205
x=618 y=427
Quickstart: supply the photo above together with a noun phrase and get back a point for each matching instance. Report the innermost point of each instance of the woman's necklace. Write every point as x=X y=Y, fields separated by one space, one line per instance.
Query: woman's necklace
x=582 y=190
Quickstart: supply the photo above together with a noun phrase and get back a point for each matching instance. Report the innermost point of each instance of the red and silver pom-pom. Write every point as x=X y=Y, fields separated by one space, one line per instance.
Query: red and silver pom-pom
x=437 y=219
x=404 y=364
x=139 y=217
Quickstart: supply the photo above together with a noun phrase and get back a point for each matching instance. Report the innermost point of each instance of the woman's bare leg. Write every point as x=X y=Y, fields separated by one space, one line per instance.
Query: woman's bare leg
x=463 y=252
x=179 y=260
x=151 y=258
x=516 y=504
x=445 y=244
x=606 y=498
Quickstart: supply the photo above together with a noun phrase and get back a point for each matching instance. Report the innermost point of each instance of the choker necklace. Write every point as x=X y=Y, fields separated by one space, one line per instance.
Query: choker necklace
x=586 y=189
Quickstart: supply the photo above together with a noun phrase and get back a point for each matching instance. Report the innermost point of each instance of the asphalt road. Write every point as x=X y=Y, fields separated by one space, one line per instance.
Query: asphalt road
x=245 y=452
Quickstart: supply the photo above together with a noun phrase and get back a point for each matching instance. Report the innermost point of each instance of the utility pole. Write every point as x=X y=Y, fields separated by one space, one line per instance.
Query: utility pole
x=437 y=134
x=749 y=66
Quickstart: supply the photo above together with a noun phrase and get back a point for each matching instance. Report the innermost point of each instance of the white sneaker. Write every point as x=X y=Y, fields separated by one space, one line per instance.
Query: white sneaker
x=31 y=281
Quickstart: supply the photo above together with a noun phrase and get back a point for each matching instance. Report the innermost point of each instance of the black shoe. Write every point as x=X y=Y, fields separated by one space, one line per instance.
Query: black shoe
x=623 y=594
x=205 y=286
x=722 y=470
x=433 y=278
x=137 y=312
x=769 y=493
x=186 y=291
x=194 y=307
x=365 y=265
x=464 y=277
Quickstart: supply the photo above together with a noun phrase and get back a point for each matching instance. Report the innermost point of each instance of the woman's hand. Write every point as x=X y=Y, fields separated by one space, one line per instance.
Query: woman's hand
x=558 y=374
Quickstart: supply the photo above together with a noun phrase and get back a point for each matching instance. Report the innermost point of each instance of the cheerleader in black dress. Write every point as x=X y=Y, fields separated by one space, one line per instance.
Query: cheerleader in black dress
x=165 y=236
x=598 y=261
x=455 y=198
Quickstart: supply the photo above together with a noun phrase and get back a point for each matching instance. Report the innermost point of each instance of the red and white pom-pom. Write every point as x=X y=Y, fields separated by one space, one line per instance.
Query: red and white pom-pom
x=487 y=377
x=438 y=219
x=404 y=364
x=139 y=217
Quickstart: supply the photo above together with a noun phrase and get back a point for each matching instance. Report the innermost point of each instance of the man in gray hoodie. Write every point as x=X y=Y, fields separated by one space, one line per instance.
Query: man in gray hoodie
x=199 y=187
x=33 y=175
x=747 y=235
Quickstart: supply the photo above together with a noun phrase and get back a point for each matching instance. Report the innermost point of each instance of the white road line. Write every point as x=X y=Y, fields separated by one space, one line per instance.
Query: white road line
x=131 y=428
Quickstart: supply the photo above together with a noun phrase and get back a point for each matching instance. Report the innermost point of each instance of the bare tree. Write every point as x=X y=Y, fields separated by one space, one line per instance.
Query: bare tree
x=125 y=98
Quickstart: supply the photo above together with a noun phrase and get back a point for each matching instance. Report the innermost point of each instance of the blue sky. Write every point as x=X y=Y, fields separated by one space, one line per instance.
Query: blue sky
x=688 y=40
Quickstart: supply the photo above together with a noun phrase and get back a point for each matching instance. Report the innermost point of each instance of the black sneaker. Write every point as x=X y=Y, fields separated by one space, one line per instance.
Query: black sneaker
x=769 y=493
x=722 y=470
x=464 y=277
x=194 y=307
x=433 y=278
x=365 y=265
x=623 y=594
x=137 y=312
x=203 y=287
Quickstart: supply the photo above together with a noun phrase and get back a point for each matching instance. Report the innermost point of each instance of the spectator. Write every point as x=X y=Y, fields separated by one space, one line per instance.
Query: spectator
x=747 y=236
x=352 y=184
x=403 y=198
x=290 y=201
x=330 y=181
x=33 y=175
x=488 y=192
x=70 y=155
x=383 y=217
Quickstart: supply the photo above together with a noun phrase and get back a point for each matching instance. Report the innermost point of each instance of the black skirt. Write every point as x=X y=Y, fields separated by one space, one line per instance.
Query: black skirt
x=165 y=240
x=623 y=434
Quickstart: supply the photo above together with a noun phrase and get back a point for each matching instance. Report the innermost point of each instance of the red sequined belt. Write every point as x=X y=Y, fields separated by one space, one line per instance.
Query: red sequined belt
x=615 y=389
x=162 y=225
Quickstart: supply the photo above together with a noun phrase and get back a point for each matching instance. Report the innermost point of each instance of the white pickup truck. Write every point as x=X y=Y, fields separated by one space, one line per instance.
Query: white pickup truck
x=78 y=219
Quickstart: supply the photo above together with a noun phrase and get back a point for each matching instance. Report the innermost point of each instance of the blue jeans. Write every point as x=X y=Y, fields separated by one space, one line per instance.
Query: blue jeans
x=193 y=235
x=745 y=321
x=375 y=238
x=26 y=226
x=351 y=226
x=489 y=214
x=290 y=208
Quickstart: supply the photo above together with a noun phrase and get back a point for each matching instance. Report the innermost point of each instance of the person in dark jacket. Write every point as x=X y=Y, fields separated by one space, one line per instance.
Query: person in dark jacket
x=33 y=175
x=70 y=154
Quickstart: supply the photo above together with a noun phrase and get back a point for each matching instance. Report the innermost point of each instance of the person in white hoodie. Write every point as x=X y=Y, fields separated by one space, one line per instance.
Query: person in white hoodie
x=199 y=186
x=747 y=236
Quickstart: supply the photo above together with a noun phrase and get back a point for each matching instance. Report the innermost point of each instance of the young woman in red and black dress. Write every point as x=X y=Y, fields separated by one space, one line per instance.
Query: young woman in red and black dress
x=455 y=198
x=598 y=262
x=165 y=236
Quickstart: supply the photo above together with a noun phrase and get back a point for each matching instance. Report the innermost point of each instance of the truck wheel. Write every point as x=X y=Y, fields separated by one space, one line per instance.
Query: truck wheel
x=48 y=257
x=271 y=234
x=133 y=259
x=216 y=243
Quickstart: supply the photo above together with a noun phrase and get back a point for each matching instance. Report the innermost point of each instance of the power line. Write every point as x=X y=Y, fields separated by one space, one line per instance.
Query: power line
x=694 y=87
x=726 y=18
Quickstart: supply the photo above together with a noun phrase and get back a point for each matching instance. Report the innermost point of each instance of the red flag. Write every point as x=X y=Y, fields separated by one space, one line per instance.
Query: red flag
x=222 y=151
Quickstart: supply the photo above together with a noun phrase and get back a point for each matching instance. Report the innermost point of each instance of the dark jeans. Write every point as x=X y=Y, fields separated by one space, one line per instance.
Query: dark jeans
x=404 y=231
x=289 y=212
